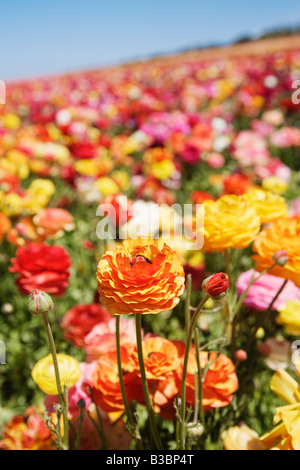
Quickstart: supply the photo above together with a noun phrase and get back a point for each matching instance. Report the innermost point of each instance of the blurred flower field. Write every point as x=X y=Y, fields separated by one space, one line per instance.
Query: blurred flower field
x=169 y=339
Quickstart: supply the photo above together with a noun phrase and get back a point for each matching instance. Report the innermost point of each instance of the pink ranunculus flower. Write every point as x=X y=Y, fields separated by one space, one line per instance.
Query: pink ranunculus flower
x=275 y=167
x=276 y=352
x=102 y=338
x=263 y=291
x=250 y=148
x=295 y=208
x=80 y=391
x=286 y=137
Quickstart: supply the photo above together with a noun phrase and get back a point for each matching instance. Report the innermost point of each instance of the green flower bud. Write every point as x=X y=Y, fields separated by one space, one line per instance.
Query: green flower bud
x=39 y=302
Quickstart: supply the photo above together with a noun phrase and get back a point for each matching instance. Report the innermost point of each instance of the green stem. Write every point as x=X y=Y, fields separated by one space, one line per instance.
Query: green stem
x=227 y=263
x=201 y=410
x=153 y=427
x=57 y=378
x=101 y=428
x=184 y=372
x=79 y=428
x=187 y=305
x=121 y=380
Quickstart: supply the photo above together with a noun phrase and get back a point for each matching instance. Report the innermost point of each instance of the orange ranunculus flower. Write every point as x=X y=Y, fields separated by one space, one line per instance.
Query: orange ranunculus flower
x=281 y=234
x=106 y=387
x=220 y=381
x=269 y=206
x=229 y=222
x=139 y=278
x=52 y=222
x=160 y=358
x=164 y=398
x=4 y=225
x=28 y=432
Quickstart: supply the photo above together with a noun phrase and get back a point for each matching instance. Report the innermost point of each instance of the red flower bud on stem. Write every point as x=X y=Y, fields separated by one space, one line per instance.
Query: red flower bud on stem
x=216 y=285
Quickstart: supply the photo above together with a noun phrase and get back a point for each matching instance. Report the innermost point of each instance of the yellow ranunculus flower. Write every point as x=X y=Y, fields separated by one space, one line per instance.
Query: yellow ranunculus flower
x=275 y=185
x=289 y=316
x=162 y=170
x=229 y=222
x=107 y=186
x=241 y=438
x=12 y=204
x=122 y=178
x=41 y=187
x=286 y=435
x=43 y=373
x=11 y=121
x=268 y=205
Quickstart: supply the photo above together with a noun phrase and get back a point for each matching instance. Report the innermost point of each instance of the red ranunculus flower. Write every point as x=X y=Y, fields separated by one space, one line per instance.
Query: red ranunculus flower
x=217 y=285
x=41 y=267
x=80 y=320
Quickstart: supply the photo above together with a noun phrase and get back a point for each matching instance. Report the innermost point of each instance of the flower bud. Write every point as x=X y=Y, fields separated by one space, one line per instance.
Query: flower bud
x=81 y=403
x=195 y=431
x=281 y=257
x=240 y=355
x=216 y=285
x=39 y=302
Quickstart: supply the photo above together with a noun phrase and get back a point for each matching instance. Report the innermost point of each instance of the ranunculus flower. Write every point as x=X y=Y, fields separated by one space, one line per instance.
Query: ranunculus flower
x=263 y=291
x=241 y=438
x=102 y=338
x=139 y=278
x=42 y=267
x=5 y=225
x=229 y=222
x=216 y=285
x=220 y=381
x=80 y=391
x=285 y=436
x=160 y=357
x=106 y=386
x=27 y=432
x=281 y=234
x=51 y=221
x=43 y=373
x=269 y=206
x=236 y=184
x=117 y=208
x=80 y=320
x=289 y=316
x=276 y=353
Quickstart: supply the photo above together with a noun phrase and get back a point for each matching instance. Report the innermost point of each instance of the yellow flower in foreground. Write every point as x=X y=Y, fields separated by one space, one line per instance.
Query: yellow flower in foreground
x=229 y=222
x=289 y=316
x=44 y=375
x=286 y=435
x=269 y=206
x=241 y=438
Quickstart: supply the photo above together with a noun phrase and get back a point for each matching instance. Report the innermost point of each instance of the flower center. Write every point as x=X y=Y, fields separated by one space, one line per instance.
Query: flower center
x=140 y=259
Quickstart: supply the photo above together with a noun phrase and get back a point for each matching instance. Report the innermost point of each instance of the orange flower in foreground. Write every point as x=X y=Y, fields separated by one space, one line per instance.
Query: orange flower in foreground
x=220 y=381
x=139 y=278
x=4 y=225
x=283 y=234
x=28 y=432
x=106 y=387
x=160 y=358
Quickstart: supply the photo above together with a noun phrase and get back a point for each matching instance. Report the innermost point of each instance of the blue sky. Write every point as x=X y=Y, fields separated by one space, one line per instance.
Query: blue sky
x=44 y=37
